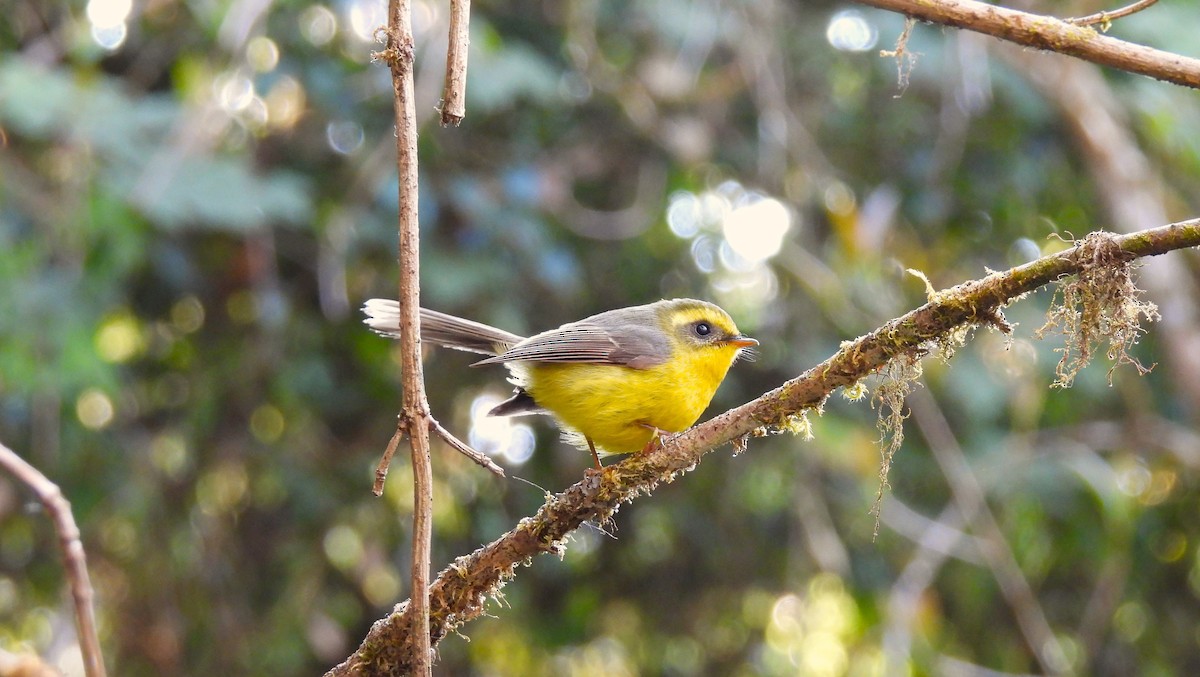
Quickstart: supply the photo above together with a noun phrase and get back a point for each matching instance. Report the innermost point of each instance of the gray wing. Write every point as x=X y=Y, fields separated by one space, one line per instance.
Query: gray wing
x=629 y=336
x=383 y=315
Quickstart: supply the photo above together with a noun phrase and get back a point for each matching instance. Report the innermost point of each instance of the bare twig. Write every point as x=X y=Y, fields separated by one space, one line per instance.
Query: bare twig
x=465 y=449
x=74 y=558
x=1050 y=33
x=1105 y=18
x=447 y=436
x=454 y=95
x=415 y=419
x=414 y=413
x=462 y=589
x=385 y=461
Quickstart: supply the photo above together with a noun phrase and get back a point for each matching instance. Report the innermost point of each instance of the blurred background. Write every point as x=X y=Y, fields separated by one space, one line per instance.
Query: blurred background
x=197 y=195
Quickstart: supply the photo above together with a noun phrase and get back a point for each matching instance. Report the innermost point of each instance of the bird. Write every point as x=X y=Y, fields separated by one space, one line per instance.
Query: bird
x=615 y=382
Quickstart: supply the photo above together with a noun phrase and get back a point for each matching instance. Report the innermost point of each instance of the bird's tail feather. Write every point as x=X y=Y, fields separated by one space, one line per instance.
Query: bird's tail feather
x=383 y=316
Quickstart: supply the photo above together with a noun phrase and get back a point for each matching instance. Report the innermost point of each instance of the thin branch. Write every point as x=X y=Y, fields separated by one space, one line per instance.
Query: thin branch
x=415 y=418
x=454 y=95
x=414 y=413
x=59 y=509
x=1105 y=18
x=1050 y=33
x=465 y=449
x=448 y=437
x=461 y=591
x=385 y=461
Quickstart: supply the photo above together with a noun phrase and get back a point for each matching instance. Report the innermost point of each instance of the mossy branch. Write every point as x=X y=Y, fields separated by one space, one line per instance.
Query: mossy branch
x=1065 y=36
x=462 y=590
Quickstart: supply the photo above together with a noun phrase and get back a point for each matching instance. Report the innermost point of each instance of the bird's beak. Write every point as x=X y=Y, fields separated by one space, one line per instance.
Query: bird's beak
x=742 y=341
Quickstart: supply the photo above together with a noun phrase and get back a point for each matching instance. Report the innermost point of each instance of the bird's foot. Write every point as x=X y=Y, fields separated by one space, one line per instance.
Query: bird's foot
x=657 y=437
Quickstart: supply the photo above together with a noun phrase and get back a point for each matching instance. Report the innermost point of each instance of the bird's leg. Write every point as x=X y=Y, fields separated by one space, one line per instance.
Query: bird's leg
x=595 y=456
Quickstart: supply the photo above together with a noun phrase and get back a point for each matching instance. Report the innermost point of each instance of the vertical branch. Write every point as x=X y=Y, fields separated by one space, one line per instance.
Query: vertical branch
x=454 y=94
x=74 y=558
x=414 y=413
x=414 y=418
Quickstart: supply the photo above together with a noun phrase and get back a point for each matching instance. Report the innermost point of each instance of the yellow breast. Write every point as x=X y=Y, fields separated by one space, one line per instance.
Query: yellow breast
x=618 y=407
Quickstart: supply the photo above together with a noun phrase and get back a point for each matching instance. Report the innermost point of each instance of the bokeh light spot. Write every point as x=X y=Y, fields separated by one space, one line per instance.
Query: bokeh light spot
x=169 y=453
x=381 y=585
x=106 y=13
x=520 y=444
x=499 y=435
x=839 y=199
x=119 y=338
x=262 y=54
x=344 y=136
x=343 y=546
x=94 y=409
x=267 y=423
x=187 y=315
x=222 y=489
x=285 y=103
x=110 y=37
x=849 y=31
x=1171 y=547
x=1162 y=483
x=234 y=91
x=365 y=17
x=318 y=25
x=1130 y=621
x=108 y=21
x=1023 y=250
x=821 y=654
x=684 y=214
x=704 y=253
x=1133 y=478
x=119 y=537
x=755 y=231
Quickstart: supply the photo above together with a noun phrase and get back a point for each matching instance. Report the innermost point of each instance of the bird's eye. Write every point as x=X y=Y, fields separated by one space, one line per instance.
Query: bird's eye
x=703 y=329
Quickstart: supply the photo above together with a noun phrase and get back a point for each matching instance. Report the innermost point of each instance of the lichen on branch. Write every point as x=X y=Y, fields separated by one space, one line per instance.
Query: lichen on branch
x=462 y=590
x=899 y=377
x=1100 y=303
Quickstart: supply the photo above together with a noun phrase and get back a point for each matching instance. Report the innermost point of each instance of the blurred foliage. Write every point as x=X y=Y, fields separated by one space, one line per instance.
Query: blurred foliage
x=195 y=197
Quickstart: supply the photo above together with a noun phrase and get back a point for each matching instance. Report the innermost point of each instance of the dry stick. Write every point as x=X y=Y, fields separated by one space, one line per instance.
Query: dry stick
x=415 y=419
x=454 y=95
x=59 y=509
x=1108 y=17
x=465 y=449
x=448 y=437
x=414 y=413
x=463 y=588
x=1050 y=33
x=385 y=461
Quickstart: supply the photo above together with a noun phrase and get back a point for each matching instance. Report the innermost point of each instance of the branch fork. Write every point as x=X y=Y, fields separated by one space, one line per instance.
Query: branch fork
x=462 y=589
